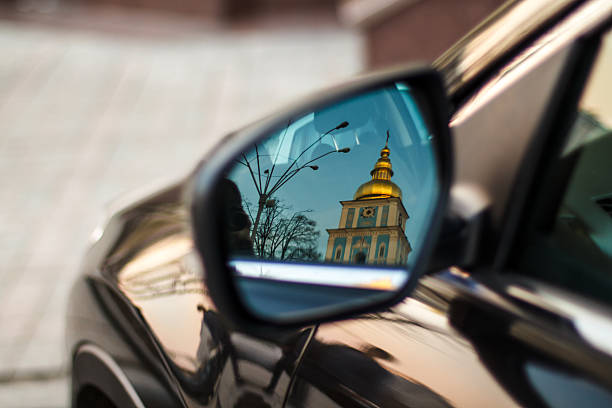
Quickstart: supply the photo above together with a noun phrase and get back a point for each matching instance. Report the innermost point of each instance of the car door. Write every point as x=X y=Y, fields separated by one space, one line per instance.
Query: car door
x=154 y=315
x=559 y=266
x=528 y=323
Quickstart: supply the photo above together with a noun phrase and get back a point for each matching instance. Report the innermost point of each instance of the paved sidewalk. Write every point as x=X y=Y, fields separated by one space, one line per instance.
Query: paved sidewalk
x=51 y=393
x=87 y=115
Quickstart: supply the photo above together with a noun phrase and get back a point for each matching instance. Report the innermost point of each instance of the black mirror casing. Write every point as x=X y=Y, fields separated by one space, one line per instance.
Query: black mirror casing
x=206 y=220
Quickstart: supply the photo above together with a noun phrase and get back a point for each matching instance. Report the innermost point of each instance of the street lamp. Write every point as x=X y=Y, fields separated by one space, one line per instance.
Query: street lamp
x=265 y=188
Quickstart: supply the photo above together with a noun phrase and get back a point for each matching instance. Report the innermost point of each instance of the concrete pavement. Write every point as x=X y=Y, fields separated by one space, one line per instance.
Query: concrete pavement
x=88 y=114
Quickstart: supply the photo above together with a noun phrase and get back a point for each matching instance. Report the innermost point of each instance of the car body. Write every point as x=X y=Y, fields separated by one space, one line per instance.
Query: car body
x=489 y=325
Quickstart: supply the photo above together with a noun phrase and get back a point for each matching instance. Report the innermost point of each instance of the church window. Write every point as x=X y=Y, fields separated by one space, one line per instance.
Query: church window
x=338 y=252
x=381 y=252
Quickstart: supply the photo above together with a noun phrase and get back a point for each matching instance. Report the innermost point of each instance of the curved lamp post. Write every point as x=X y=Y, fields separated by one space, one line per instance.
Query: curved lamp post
x=265 y=188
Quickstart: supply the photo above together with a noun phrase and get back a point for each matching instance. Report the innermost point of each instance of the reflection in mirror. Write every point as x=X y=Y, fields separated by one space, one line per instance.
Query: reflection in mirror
x=351 y=185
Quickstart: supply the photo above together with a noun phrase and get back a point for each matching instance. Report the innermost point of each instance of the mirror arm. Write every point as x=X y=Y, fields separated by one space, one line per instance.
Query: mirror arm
x=464 y=229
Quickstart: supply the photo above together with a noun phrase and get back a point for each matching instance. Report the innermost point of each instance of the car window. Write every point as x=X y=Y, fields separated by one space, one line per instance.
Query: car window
x=569 y=242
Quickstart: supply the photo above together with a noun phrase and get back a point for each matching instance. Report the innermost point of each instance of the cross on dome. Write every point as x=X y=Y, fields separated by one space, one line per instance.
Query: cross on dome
x=380 y=186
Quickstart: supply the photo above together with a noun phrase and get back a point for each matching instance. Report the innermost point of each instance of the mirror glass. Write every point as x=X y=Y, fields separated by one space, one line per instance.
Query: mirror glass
x=331 y=208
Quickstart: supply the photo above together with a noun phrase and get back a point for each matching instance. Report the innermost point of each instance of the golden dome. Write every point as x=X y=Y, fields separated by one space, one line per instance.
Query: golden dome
x=374 y=189
x=381 y=185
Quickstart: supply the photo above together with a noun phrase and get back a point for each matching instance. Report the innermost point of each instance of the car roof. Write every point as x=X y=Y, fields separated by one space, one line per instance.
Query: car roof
x=514 y=23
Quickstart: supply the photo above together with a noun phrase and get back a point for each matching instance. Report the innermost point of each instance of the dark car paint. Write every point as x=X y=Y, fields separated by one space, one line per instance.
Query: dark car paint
x=459 y=340
x=488 y=348
x=463 y=338
x=151 y=313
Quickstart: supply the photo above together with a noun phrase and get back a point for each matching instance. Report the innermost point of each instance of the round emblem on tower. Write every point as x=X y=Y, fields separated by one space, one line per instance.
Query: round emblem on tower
x=368 y=212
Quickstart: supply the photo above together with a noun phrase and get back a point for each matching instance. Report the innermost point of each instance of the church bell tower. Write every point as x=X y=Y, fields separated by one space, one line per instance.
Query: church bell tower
x=371 y=227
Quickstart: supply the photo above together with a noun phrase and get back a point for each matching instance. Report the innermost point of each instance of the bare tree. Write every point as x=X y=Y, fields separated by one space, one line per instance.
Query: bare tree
x=263 y=179
x=285 y=235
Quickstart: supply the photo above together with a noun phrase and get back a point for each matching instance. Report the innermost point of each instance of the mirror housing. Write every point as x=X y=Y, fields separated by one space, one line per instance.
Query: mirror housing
x=221 y=278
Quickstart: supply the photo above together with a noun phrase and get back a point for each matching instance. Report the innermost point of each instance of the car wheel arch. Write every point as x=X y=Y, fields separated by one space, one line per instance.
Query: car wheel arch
x=94 y=369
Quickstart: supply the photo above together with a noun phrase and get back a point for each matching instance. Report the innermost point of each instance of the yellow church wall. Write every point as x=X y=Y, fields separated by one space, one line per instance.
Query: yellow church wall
x=392 y=248
x=393 y=210
x=330 y=248
x=372 y=253
x=347 y=251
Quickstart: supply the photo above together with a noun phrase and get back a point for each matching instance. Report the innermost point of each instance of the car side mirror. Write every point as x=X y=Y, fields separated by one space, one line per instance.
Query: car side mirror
x=330 y=208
